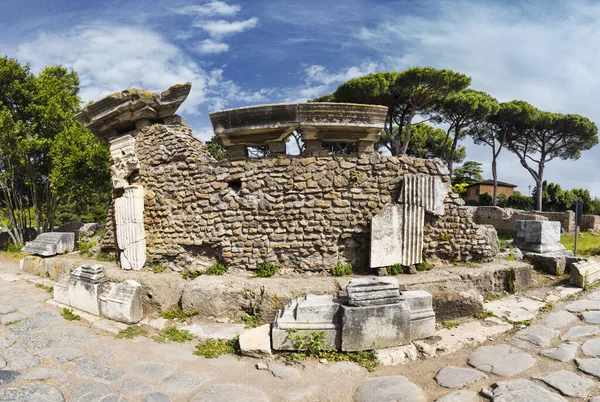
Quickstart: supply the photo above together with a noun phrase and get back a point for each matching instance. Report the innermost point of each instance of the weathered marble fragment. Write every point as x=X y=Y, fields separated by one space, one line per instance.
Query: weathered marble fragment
x=124 y=160
x=131 y=236
x=49 y=244
x=538 y=236
x=424 y=191
x=121 y=301
x=585 y=273
x=422 y=316
x=84 y=287
x=373 y=291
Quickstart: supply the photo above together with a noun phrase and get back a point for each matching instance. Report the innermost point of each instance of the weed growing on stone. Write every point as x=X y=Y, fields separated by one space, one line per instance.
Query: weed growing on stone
x=423 y=266
x=156 y=267
x=48 y=289
x=450 y=324
x=218 y=268
x=354 y=176
x=190 y=274
x=312 y=344
x=445 y=237
x=341 y=269
x=13 y=322
x=174 y=334
x=486 y=313
x=549 y=306
x=178 y=314
x=213 y=348
x=104 y=256
x=265 y=270
x=252 y=321
x=397 y=269
x=131 y=332
x=519 y=323
x=68 y=315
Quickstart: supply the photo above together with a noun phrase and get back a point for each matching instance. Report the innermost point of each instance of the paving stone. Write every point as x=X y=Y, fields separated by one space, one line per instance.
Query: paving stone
x=96 y=393
x=12 y=318
x=28 y=326
x=96 y=370
x=514 y=308
x=60 y=355
x=69 y=336
x=389 y=389
x=183 y=383
x=8 y=376
x=568 y=383
x=301 y=393
x=2 y=363
x=522 y=390
x=460 y=396
x=45 y=373
x=591 y=317
x=502 y=360
x=32 y=392
x=48 y=317
x=458 y=377
x=580 y=306
x=152 y=370
x=7 y=342
x=580 y=331
x=560 y=319
x=7 y=309
x=215 y=331
x=344 y=367
x=537 y=335
x=285 y=372
x=589 y=366
x=230 y=393
x=594 y=399
x=135 y=387
x=594 y=295
x=18 y=359
x=591 y=348
x=35 y=342
x=563 y=352
x=157 y=397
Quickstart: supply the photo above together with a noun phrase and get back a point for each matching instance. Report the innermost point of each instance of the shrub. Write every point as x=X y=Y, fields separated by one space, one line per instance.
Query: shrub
x=341 y=269
x=252 y=321
x=265 y=270
x=174 y=334
x=69 y=315
x=213 y=348
x=131 y=332
x=218 y=268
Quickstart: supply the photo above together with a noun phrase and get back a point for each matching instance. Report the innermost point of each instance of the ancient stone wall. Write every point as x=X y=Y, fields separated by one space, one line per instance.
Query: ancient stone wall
x=566 y=219
x=302 y=213
x=590 y=222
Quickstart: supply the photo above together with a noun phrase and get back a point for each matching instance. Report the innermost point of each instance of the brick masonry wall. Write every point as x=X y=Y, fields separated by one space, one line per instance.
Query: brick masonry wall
x=304 y=214
x=590 y=222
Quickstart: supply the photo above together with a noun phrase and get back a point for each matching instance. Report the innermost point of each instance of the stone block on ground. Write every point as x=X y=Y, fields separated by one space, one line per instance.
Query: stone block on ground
x=501 y=360
x=460 y=396
x=84 y=288
x=458 y=377
x=523 y=390
x=373 y=291
x=568 y=383
x=551 y=263
x=121 y=301
x=589 y=366
x=422 y=316
x=591 y=348
x=564 y=352
x=230 y=392
x=538 y=236
x=256 y=342
x=591 y=317
x=585 y=273
x=537 y=335
x=580 y=331
x=397 y=355
x=49 y=244
x=366 y=328
x=61 y=293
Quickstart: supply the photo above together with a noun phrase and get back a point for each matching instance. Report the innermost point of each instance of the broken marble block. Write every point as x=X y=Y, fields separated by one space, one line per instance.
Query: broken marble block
x=584 y=273
x=84 y=287
x=131 y=235
x=422 y=316
x=538 y=236
x=375 y=327
x=61 y=293
x=121 y=301
x=373 y=291
x=310 y=313
x=52 y=243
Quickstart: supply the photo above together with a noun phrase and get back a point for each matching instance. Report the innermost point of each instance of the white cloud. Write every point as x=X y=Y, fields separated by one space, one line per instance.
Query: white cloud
x=111 y=58
x=221 y=28
x=209 y=9
x=211 y=46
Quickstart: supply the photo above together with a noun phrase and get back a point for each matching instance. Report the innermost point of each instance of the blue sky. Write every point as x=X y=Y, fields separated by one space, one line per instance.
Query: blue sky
x=239 y=53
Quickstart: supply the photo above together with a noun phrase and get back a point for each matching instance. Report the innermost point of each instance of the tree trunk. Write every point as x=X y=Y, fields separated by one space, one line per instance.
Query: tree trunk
x=539 y=180
x=407 y=137
x=450 y=160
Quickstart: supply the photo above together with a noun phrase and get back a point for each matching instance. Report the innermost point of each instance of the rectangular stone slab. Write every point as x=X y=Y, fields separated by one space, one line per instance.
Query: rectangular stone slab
x=373 y=291
x=375 y=327
x=538 y=236
x=49 y=244
x=585 y=273
x=121 y=301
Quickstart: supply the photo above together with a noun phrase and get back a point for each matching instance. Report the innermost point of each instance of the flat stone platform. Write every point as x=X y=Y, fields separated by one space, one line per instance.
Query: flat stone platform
x=457 y=291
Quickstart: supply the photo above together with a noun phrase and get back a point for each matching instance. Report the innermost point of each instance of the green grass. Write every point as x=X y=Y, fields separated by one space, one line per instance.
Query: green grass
x=588 y=243
x=504 y=238
x=68 y=315
x=48 y=289
x=519 y=323
x=174 y=334
x=252 y=321
x=341 y=269
x=486 y=313
x=178 y=314
x=213 y=348
x=108 y=257
x=397 y=269
x=549 y=306
x=450 y=324
x=131 y=332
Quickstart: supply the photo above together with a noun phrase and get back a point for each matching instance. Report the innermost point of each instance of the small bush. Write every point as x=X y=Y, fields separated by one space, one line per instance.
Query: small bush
x=174 y=334
x=48 y=289
x=252 y=321
x=213 y=348
x=450 y=324
x=265 y=270
x=341 y=269
x=423 y=266
x=85 y=247
x=486 y=313
x=178 y=314
x=104 y=256
x=218 y=268
x=131 y=332
x=396 y=269
x=69 y=315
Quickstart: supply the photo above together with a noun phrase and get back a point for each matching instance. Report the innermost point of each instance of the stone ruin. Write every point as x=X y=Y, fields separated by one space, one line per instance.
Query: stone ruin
x=174 y=202
x=49 y=244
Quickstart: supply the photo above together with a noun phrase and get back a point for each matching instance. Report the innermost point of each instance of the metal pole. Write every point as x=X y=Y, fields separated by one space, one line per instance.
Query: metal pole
x=576 y=236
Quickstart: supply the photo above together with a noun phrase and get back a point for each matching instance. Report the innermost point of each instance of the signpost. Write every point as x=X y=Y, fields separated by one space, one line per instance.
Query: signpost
x=578 y=218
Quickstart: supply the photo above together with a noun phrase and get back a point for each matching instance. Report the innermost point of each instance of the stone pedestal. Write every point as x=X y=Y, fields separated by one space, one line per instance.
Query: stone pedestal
x=538 y=236
x=422 y=316
x=374 y=327
x=84 y=287
x=49 y=244
x=61 y=293
x=122 y=301
x=585 y=273
x=131 y=236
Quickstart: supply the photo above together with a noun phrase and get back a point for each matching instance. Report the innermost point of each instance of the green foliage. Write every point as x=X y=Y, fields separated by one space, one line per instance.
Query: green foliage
x=354 y=176
x=486 y=313
x=178 y=314
x=213 y=348
x=174 y=334
x=104 y=256
x=428 y=142
x=520 y=323
x=450 y=324
x=85 y=247
x=423 y=266
x=470 y=172
x=397 y=269
x=216 y=149
x=445 y=237
x=460 y=189
x=48 y=289
x=341 y=269
x=191 y=275
x=131 y=332
x=265 y=270
x=69 y=315
x=548 y=306
x=588 y=244
x=519 y=201
x=485 y=199
x=156 y=266
x=218 y=268
x=252 y=321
